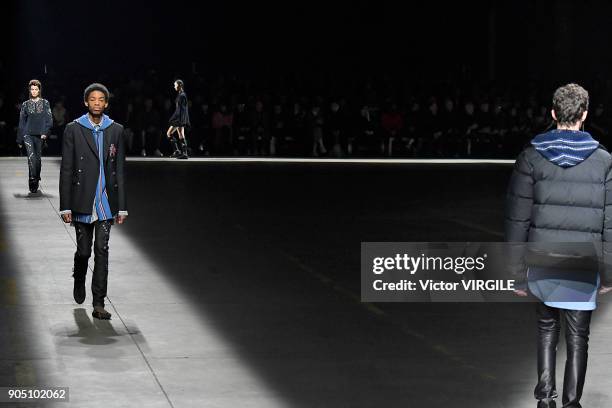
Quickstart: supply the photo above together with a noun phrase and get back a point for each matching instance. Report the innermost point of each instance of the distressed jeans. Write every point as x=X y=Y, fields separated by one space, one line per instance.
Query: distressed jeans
x=84 y=237
x=33 y=145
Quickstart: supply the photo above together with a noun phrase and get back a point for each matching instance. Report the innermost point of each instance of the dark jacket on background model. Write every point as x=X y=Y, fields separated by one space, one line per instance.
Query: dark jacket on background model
x=80 y=169
x=180 y=117
x=35 y=119
x=561 y=191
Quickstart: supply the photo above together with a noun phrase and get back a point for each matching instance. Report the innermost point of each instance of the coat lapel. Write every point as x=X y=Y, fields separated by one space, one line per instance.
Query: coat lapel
x=88 y=134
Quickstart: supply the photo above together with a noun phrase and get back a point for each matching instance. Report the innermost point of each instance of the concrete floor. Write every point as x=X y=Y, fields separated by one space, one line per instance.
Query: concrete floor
x=237 y=285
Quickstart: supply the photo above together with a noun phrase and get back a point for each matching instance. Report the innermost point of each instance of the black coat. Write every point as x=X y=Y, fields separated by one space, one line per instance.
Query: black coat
x=80 y=169
x=549 y=203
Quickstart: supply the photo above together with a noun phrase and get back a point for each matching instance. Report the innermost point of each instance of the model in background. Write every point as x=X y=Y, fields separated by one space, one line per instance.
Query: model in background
x=178 y=121
x=35 y=122
x=92 y=191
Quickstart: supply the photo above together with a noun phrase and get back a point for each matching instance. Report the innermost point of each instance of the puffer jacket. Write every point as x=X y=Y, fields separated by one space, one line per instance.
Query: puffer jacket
x=561 y=191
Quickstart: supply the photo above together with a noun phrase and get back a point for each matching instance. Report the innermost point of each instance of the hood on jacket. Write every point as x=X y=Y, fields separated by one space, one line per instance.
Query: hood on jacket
x=84 y=121
x=565 y=148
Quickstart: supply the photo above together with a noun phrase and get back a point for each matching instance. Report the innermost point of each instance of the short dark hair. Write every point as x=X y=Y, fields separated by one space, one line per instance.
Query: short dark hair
x=569 y=103
x=180 y=83
x=35 y=82
x=96 y=87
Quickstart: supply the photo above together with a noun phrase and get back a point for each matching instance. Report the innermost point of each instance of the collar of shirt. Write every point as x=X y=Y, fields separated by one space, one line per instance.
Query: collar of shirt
x=95 y=126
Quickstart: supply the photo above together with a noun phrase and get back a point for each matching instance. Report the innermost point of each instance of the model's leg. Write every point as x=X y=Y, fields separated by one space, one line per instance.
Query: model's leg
x=84 y=238
x=173 y=141
x=37 y=144
x=183 y=143
x=577 y=339
x=28 y=141
x=100 y=275
x=170 y=130
x=548 y=337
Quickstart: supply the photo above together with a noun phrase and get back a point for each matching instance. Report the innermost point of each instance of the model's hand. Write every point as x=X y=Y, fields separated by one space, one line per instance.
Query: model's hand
x=604 y=289
x=121 y=219
x=67 y=218
x=520 y=293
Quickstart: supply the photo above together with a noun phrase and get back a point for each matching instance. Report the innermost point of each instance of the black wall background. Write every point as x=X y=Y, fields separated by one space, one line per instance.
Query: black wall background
x=475 y=39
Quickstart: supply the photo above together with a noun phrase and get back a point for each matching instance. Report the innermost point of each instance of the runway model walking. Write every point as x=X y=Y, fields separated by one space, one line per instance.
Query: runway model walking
x=178 y=121
x=92 y=191
x=35 y=122
x=560 y=192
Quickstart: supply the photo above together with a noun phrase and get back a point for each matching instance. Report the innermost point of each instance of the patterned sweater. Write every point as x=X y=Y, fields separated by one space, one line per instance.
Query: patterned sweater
x=35 y=118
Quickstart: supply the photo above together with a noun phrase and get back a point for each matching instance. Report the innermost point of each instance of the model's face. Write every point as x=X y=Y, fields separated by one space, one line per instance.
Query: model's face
x=34 y=91
x=96 y=102
x=176 y=86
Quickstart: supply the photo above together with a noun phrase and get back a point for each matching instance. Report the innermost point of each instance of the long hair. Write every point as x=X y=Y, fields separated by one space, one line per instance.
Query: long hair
x=35 y=82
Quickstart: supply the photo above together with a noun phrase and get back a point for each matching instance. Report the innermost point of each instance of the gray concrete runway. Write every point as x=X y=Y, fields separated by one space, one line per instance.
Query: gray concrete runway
x=236 y=284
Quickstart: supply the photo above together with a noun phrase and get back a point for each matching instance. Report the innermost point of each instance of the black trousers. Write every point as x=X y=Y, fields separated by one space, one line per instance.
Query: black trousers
x=577 y=338
x=84 y=237
x=33 y=145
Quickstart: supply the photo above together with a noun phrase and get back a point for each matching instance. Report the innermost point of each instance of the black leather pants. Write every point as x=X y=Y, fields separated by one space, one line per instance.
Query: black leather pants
x=577 y=339
x=33 y=145
x=84 y=237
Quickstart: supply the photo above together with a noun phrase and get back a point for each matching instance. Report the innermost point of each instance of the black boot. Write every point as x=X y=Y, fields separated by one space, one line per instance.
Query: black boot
x=79 y=272
x=184 y=154
x=33 y=185
x=177 y=151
